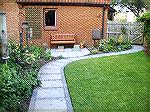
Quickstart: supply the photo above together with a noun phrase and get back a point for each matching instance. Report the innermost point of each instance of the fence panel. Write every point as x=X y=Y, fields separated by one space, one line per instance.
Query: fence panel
x=132 y=31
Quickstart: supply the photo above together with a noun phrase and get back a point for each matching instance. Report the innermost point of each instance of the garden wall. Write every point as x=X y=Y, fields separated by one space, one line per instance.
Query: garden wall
x=11 y=9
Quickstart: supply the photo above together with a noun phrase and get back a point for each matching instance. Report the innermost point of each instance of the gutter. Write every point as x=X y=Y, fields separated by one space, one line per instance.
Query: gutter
x=103 y=20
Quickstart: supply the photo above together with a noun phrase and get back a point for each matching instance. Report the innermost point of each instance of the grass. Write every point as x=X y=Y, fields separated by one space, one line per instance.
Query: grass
x=0 y=73
x=0 y=84
x=110 y=84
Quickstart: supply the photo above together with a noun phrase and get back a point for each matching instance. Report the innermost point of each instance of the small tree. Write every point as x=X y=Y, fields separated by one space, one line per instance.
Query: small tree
x=135 y=6
x=146 y=19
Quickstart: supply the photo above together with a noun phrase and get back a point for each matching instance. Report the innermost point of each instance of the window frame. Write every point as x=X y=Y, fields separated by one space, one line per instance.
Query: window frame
x=52 y=28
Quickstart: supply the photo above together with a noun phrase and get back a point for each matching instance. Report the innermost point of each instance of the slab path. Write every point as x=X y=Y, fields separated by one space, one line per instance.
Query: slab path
x=53 y=95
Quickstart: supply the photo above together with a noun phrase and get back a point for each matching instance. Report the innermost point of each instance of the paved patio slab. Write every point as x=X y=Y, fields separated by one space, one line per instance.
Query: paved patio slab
x=54 y=71
x=52 y=84
x=51 y=105
x=69 y=52
x=49 y=76
x=50 y=93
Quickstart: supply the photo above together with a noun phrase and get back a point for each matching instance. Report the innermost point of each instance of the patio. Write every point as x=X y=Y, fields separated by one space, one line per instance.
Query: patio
x=69 y=52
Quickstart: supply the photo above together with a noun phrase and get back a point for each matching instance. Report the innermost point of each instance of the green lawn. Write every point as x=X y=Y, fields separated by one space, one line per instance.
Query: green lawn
x=110 y=84
x=0 y=84
x=0 y=73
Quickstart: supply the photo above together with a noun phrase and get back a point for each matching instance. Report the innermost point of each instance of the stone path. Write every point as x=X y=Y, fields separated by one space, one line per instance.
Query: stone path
x=53 y=95
x=69 y=52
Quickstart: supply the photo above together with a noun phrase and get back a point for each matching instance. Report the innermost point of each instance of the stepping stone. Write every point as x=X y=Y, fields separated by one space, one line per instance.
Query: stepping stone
x=51 y=105
x=50 y=93
x=60 y=65
x=49 y=77
x=50 y=67
x=64 y=61
x=46 y=71
x=54 y=83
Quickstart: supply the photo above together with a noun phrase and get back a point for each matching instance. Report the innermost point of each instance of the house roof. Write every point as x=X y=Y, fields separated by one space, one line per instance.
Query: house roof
x=96 y=2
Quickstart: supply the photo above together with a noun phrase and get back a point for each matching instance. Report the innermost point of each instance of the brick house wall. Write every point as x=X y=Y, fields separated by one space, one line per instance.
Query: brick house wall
x=11 y=9
x=77 y=19
x=1 y=5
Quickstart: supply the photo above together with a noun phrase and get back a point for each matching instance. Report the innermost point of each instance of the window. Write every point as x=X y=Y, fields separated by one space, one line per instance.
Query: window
x=50 y=19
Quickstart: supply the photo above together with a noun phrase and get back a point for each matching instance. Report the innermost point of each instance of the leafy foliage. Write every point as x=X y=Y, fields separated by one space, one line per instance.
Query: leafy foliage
x=112 y=45
x=20 y=76
x=135 y=6
x=17 y=86
x=146 y=19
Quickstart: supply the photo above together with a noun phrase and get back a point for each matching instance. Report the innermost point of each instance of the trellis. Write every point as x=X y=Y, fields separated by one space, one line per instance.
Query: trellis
x=33 y=16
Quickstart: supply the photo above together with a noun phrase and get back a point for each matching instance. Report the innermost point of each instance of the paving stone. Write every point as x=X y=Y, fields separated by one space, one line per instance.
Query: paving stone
x=50 y=76
x=70 y=52
x=50 y=71
x=64 y=61
x=50 y=67
x=53 y=66
x=54 y=83
x=51 y=105
x=50 y=93
x=57 y=64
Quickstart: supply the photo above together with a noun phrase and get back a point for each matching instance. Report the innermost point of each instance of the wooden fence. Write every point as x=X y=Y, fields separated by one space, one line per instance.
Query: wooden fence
x=132 y=31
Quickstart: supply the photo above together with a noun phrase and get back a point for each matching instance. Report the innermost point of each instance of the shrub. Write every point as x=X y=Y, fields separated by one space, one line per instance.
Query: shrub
x=17 y=86
x=40 y=52
x=112 y=45
x=37 y=51
x=94 y=51
x=20 y=75
x=145 y=18
x=47 y=55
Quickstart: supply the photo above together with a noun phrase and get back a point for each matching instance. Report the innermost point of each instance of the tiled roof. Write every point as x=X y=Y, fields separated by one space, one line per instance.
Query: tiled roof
x=66 y=1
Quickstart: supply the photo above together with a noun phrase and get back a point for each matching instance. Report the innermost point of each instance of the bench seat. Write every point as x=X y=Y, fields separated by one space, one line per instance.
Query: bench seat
x=63 y=42
x=57 y=39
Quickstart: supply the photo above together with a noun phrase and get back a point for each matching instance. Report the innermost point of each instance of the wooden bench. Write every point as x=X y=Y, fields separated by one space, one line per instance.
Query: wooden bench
x=57 y=39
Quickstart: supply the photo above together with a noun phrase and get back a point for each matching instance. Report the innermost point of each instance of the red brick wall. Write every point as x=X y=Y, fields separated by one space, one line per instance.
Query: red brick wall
x=1 y=5
x=79 y=20
x=12 y=20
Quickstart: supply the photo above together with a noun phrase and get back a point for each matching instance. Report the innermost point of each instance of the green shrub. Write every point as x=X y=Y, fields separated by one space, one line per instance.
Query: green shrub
x=37 y=51
x=20 y=75
x=146 y=19
x=40 y=52
x=17 y=86
x=94 y=51
x=113 y=46
x=126 y=45
x=47 y=55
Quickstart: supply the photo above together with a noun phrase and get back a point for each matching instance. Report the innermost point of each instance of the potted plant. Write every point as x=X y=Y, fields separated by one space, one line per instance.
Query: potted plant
x=82 y=44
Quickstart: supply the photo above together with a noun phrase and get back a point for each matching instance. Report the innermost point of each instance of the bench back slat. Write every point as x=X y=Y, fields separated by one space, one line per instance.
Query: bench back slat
x=63 y=37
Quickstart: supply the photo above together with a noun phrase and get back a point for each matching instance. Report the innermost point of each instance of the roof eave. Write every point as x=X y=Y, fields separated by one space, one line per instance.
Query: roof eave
x=63 y=4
